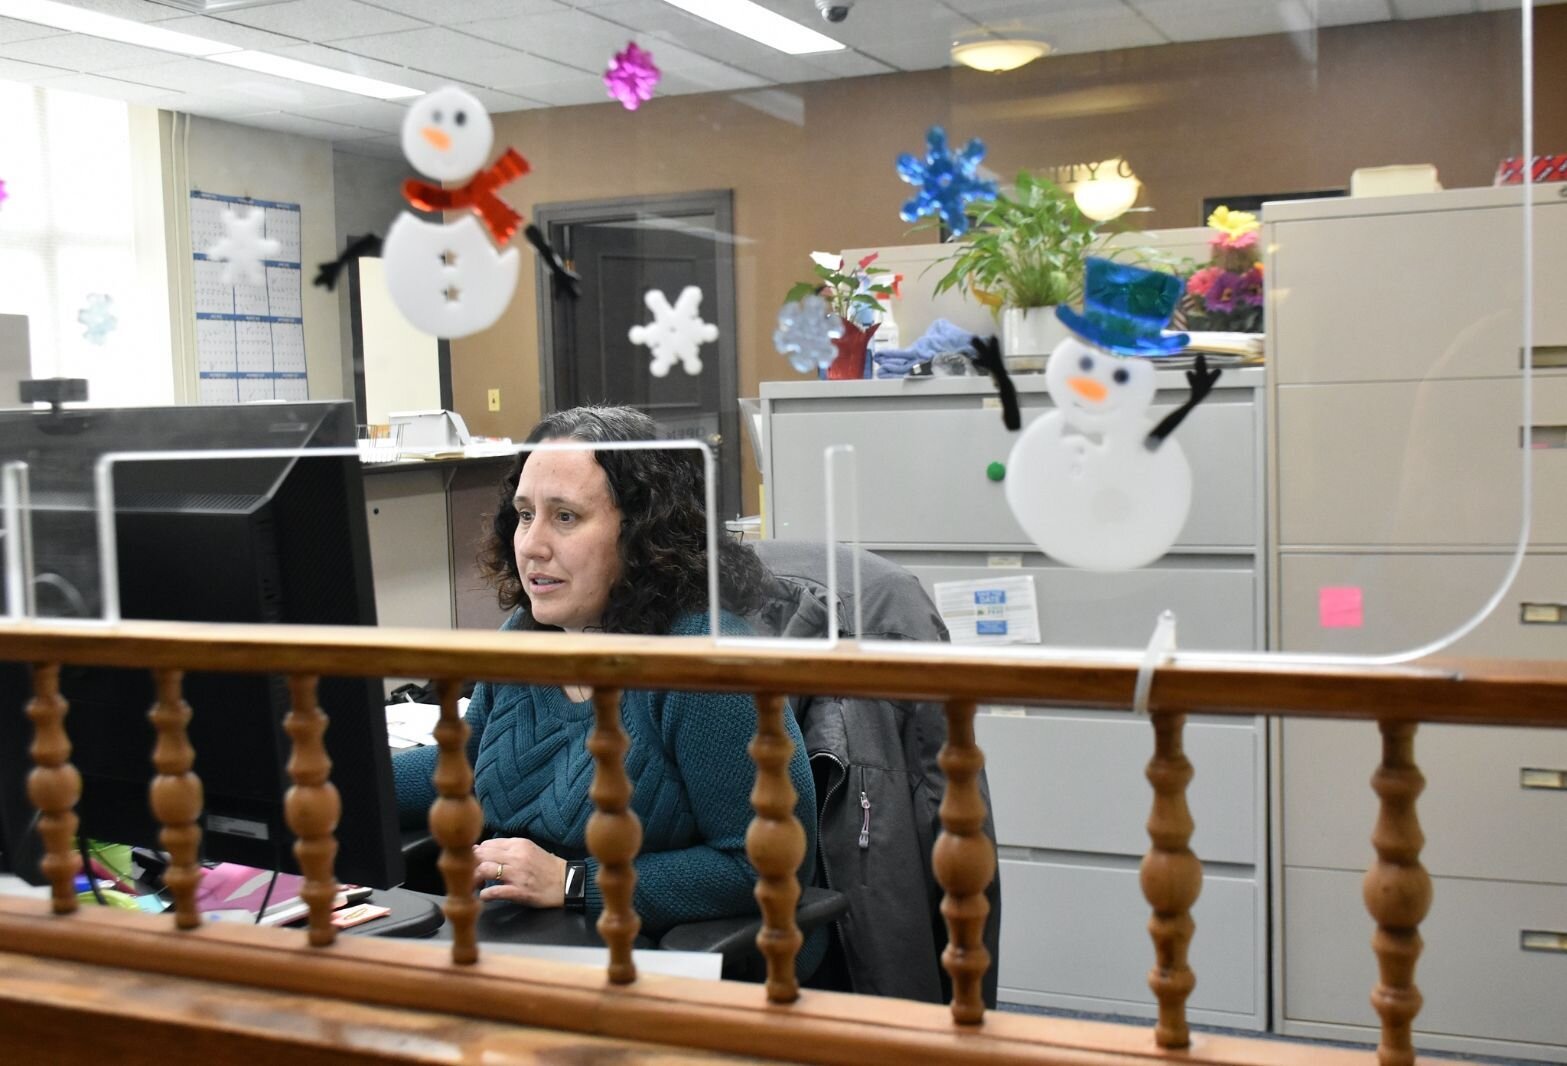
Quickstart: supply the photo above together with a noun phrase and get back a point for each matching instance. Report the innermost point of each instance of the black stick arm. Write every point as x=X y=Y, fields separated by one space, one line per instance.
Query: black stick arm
x=564 y=276
x=988 y=359
x=327 y=273
x=1202 y=380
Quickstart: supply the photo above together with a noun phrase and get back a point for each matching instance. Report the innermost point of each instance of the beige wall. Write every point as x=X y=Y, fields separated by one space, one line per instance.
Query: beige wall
x=1265 y=114
x=221 y=157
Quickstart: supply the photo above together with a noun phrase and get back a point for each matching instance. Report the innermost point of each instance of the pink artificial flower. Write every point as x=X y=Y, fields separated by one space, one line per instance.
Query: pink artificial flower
x=1201 y=282
x=1249 y=291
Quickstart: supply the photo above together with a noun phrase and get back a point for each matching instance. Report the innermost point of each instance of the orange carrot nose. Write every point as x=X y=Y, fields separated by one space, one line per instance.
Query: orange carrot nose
x=1088 y=389
x=439 y=138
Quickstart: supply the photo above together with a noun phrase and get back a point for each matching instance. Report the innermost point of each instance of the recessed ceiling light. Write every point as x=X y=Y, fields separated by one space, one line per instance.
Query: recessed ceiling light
x=66 y=17
x=998 y=54
x=752 y=20
x=295 y=70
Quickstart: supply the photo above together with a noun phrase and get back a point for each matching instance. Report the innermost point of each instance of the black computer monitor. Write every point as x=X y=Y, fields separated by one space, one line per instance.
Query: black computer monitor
x=222 y=540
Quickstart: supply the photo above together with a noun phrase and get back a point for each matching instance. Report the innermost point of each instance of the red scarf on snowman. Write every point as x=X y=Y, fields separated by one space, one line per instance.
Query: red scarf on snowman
x=478 y=194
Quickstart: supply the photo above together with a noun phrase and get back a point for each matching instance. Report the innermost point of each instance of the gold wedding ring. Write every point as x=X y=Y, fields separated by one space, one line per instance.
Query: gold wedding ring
x=500 y=871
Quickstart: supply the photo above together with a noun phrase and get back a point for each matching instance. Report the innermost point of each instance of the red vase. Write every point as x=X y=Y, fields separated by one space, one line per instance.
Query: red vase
x=849 y=364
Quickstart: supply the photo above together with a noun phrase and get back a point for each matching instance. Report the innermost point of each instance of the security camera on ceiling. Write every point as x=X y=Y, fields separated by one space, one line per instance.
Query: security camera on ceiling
x=834 y=10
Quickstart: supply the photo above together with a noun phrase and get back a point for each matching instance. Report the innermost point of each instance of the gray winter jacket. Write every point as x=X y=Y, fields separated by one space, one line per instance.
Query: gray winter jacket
x=878 y=785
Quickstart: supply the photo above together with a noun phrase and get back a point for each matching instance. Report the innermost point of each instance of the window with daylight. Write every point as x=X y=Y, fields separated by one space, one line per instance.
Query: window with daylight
x=68 y=253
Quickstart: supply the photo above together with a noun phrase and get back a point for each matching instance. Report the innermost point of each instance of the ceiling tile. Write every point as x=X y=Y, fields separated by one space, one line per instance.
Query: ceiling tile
x=471 y=10
x=383 y=116
x=13 y=30
x=496 y=102
x=139 y=10
x=456 y=55
x=188 y=75
x=79 y=53
x=1197 y=20
x=28 y=73
x=566 y=90
x=129 y=91
x=572 y=37
x=324 y=20
x=306 y=126
x=1068 y=33
x=336 y=58
x=1350 y=12
x=847 y=64
x=216 y=29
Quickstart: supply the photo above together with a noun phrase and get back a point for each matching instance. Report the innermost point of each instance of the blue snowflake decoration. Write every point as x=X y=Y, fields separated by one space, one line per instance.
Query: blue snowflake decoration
x=97 y=318
x=805 y=334
x=946 y=181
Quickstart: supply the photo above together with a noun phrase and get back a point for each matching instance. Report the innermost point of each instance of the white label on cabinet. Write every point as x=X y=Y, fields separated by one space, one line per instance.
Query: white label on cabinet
x=1004 y=561
x=993 y=610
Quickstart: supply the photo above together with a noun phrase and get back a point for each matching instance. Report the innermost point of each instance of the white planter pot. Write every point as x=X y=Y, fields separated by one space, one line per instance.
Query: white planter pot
x=1029 y=335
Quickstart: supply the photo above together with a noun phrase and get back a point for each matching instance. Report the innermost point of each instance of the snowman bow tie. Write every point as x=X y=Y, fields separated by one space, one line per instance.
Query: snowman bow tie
x=478 y=194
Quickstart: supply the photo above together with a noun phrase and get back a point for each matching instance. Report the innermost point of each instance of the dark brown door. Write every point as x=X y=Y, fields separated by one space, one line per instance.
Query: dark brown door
x=622 y=250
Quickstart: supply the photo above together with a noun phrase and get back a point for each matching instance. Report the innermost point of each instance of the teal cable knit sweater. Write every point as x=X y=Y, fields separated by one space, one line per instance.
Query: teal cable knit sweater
x=691 y=786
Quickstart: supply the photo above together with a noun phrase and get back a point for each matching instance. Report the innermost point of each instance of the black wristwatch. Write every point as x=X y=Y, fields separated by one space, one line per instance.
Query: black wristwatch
x=576 y=885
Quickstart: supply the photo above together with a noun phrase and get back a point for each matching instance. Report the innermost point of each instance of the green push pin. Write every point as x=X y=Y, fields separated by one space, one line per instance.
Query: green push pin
x=996 y=471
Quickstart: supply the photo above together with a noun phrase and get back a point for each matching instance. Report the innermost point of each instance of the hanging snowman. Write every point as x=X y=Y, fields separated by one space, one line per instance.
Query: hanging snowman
x=448 y=278
x=1094 y=482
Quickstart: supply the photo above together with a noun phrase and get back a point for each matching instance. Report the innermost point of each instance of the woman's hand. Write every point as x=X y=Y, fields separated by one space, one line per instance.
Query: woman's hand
x=527 y=873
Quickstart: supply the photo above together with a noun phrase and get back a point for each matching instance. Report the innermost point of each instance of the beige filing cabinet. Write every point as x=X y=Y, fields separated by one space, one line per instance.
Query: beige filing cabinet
x=1067 y=785
x=1394 y=343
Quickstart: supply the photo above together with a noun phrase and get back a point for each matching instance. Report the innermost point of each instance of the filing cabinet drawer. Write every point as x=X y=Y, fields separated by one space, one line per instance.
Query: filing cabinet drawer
x=1406 y=601
x=1074 y=782
x=1213 y=599
x=900 y=449
x=1332 y=324
x=1082 y=931
x=1482 y=817
x=1476 y=977
x=1434 y=462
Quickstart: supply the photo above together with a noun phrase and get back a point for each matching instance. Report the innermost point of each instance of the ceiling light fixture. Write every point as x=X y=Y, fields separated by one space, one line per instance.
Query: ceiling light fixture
x=1109 y=196
x=996 y=54
x=750 y=19
x=93 y=24
x=295 y=70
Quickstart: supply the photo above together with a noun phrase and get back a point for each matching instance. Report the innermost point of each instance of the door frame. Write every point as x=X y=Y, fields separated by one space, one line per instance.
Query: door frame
x=719 y=203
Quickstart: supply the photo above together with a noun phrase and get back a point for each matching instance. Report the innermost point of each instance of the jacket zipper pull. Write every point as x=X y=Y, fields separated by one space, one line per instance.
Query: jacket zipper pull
x=865 y=828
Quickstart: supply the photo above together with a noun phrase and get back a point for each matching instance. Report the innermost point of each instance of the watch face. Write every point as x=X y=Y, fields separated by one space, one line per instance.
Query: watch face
x=573 y=877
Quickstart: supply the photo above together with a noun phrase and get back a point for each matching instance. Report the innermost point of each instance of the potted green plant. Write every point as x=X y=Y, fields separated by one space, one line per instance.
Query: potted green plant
x=1023 y=256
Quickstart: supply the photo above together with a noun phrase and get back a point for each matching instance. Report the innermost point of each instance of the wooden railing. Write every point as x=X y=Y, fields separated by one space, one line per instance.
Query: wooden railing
x=779 y=1020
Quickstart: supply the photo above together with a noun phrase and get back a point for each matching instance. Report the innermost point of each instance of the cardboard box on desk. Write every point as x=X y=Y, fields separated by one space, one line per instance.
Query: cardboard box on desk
x=429 y=432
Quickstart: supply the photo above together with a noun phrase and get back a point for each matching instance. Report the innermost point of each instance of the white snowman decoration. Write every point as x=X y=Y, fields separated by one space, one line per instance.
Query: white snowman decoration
x=1094 y=483
x=447 y=278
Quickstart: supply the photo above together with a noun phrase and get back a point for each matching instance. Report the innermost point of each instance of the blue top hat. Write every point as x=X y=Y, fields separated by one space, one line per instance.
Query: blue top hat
x=1125 y=308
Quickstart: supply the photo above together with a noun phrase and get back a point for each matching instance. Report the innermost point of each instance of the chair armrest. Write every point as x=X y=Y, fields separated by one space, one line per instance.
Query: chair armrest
x=735 y=938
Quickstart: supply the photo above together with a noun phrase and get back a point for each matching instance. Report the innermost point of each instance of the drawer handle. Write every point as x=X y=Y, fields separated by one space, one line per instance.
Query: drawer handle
x=1542 y=940
x=1551 y=780
x=1546 y=356
x=1542 y=614
x=1543 y=437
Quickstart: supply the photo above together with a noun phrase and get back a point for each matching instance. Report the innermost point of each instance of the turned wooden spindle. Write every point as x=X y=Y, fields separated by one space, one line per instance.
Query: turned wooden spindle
x=614 y=835
x=54 y=786
x=1397 y=891
x=312 y=806
x=775 y=844
x=176 y=795
x=964 y=862
x=1172 y=879
x=455 y=822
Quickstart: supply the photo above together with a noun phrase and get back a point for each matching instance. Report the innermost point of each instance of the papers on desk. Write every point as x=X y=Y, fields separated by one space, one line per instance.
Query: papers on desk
x=412 y=725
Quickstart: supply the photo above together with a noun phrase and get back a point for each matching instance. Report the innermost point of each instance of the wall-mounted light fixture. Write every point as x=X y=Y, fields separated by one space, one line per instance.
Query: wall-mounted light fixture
x=1109 y=191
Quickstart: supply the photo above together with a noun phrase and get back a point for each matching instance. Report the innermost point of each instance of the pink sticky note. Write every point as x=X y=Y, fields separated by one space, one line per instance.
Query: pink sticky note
x=1340 y=607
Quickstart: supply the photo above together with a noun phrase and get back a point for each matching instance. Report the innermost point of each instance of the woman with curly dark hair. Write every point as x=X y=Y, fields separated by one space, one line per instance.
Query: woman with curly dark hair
x=614 y=541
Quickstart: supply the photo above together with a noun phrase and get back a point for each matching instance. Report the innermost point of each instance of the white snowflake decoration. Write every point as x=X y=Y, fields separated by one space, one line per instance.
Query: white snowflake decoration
x=243 y=248
x=97 y=318
x=676 y=333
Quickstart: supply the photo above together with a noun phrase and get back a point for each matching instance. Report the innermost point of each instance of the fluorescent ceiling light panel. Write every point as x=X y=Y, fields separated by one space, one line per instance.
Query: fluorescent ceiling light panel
x=294 y=70
x=93 y=24
x=752 y=20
